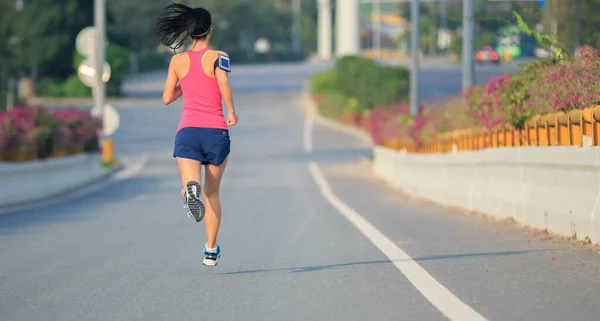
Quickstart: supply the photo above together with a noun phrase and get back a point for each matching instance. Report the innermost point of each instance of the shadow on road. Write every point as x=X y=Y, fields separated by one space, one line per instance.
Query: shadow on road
x=424 y=258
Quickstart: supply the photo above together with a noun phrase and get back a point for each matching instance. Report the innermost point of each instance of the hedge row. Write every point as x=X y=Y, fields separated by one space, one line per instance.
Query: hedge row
x=555 y=84
x=35 y=132
x=357 y=84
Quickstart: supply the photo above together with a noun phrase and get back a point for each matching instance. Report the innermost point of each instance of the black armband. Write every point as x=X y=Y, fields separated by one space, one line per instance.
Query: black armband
x=223 y=63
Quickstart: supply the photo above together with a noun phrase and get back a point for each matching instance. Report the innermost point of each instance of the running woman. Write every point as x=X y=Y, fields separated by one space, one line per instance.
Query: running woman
x=203 y=134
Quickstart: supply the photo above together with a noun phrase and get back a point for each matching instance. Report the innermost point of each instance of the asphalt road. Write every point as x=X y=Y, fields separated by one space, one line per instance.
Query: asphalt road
x=307 y=233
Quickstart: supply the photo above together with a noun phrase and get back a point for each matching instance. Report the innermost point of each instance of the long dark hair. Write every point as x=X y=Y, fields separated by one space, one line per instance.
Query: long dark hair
x=178 y=19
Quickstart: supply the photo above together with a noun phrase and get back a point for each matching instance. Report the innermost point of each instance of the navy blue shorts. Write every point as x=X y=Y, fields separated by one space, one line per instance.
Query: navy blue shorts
x=206 y=145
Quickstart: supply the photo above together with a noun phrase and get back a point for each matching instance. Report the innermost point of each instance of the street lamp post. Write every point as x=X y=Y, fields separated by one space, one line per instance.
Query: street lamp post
x=12 y=82
x=98 y=57
x=99 y=88
x=577 y=27
x=296 y=9
x=414 y=48
x=467 y=46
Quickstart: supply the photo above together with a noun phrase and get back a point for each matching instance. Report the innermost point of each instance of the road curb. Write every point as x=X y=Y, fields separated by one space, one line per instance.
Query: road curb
x=108 y=173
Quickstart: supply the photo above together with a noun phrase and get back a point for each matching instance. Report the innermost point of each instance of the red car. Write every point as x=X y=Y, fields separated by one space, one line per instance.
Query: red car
x=487 y=55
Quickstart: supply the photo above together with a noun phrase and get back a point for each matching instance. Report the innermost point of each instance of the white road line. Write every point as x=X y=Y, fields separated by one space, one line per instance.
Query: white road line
x=133 y=170
x=308 y=126
x=446 y=302
x=128 y=172
x=438 y=295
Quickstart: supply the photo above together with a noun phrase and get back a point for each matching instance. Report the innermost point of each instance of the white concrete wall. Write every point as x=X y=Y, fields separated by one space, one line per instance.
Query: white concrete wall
x=42 y=179
x=554 y=188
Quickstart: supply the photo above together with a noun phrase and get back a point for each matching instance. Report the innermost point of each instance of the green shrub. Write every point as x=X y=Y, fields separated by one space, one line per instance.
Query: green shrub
x=50 y=87
x=519 y=92
x=118 y=58
x=332 y=105
x=371 y=84
x=356 y=85
x=354 y=106
x=351 y=72
x=391 y=85
x=73 y=87
x=325 y=81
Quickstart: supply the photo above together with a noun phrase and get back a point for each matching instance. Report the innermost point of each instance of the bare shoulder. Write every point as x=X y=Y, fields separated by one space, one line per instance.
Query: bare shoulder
x=216 y=53
x=220 y=52
x=179 y=63
x=179 y=58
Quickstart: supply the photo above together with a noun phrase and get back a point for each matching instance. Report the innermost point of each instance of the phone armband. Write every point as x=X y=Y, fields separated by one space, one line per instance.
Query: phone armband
x=224 y=63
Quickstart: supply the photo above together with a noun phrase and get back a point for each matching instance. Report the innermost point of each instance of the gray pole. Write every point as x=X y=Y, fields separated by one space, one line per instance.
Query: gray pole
x=99 y=19
x=554 y=17
x=578 y=28
x=443 y=15
x=467 y=48
x=296 y=7
x=414 y=48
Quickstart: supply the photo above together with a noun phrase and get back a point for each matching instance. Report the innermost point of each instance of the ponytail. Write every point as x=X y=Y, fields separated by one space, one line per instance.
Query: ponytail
x=179 y=19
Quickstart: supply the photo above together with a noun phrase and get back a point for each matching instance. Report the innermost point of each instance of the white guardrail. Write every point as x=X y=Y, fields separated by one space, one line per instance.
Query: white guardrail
x=47 y=178
x=555 y=188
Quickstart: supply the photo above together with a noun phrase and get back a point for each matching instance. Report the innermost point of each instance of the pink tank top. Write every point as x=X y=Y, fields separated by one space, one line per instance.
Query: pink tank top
x=202 y=99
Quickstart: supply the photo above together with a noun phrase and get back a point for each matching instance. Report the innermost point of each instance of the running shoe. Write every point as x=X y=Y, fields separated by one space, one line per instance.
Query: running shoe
x=187 y=209
x=210 y=257
x=194 y=205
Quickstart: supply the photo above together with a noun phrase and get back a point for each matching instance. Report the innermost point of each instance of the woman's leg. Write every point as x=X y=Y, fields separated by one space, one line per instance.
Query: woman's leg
x=214 y=174
x=189 y=170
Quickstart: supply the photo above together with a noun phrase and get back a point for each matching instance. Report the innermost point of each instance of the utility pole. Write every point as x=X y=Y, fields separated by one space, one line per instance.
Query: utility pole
x=578 y=27
x=414 y=48
x=296 y=8
x=467 y=45
x=100 y=27
x=554 y=18
x=12 y=82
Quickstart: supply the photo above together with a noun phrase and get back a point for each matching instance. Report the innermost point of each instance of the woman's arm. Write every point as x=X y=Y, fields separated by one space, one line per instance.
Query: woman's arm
x=172 y=90
x=225 y=87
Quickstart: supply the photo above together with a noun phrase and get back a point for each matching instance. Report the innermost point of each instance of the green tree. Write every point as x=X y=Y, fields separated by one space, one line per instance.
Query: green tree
x=50 y=32
x=11 y=57
x=565 y=14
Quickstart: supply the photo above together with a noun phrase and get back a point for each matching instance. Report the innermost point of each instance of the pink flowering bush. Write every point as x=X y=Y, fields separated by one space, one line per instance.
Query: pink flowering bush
x=486 y=103
x=553 y=84
x=385 y=121
x=40 y=133
x=77 y=128
x=547 y=85
x=417 y=124
x=568 y=85
x=452 y=115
